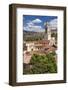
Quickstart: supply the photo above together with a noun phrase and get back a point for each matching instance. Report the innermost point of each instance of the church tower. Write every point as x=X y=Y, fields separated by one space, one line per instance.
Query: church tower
x=47 y=31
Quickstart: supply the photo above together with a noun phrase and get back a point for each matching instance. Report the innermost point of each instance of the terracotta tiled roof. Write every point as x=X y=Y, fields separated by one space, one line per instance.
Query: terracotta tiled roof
x=42 y=42
x=51 y=49
x=39 y=42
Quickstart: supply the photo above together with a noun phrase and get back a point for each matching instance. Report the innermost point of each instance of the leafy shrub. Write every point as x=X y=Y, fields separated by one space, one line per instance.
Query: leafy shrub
x=42 y=64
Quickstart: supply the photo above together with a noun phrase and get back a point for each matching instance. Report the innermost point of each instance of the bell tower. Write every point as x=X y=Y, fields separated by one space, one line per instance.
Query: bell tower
x=47 y=31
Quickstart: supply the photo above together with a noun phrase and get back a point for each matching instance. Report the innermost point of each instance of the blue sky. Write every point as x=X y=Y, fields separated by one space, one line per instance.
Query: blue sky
x=36 y=23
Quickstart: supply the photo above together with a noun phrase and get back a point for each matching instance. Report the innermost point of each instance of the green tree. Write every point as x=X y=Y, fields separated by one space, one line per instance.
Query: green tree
x=42 y=64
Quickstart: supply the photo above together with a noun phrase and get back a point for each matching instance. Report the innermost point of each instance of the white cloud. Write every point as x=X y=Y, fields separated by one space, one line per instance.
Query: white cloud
x=31 y=26
x=34 y=28
x=37 y=28
x=53 y=23
x=37 y=21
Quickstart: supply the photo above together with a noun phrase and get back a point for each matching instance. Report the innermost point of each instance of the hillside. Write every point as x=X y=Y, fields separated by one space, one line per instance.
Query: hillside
x=29 y=35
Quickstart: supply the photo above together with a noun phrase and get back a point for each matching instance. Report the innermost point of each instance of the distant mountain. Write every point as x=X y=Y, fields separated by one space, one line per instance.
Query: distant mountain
x=33 y=35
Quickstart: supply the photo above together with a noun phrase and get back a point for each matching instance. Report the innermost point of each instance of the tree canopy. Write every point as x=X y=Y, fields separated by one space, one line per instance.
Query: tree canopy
x=42 y=64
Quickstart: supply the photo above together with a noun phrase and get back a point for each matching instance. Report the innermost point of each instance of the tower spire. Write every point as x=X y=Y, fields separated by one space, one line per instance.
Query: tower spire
x=47 y=31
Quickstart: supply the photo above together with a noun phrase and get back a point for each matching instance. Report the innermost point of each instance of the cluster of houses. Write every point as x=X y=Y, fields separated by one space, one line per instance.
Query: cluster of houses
x=47 y=45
